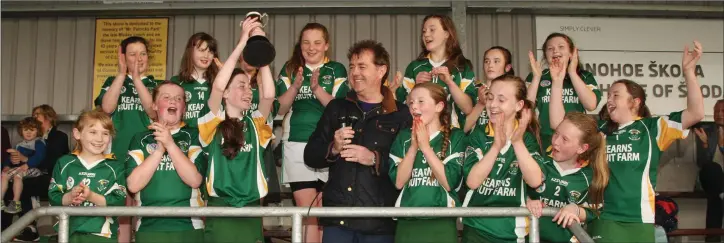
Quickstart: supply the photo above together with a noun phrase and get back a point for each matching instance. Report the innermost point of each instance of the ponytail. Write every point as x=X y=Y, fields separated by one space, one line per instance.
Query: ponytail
x=232 y=133
x=601 y=172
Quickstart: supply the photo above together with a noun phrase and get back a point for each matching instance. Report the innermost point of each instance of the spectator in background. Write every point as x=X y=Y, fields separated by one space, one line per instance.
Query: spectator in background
x=710 y=159
x=22 y=162
x=5 y=143
x=56 y=142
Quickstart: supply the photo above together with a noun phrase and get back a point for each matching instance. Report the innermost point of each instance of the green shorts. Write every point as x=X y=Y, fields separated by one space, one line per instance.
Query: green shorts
x=602 y=230
x=437 y=230
x=472 y=235
x=188 y=236
x=227 y=229
x=90 y=238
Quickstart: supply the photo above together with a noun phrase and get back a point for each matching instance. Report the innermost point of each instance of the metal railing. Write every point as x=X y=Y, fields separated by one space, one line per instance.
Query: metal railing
x=297 y=213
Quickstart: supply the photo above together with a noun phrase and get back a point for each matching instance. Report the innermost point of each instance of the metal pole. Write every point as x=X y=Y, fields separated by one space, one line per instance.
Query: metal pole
x=63 y=228
x=297 y=227
x=18 y=226
x=580 y=233
x=534 y=235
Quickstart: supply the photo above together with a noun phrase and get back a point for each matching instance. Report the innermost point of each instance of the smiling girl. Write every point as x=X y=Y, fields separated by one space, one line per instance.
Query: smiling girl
x=427 y=166
x=511 y=161
x=90 y=178
x=580 y=89
x=442 y=62
x=198 y=71
x=164 y=164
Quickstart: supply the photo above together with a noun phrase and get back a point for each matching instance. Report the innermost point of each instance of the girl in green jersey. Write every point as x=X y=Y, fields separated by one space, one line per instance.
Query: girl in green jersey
x=497 y=61
x=89 y=177
x=575 y=176
x=499 y=178
x=635 y=140
x=427 y=166
x=198 y=70
x=581 y=91
x=163 y=165
x=442 y=62
x=234 y=143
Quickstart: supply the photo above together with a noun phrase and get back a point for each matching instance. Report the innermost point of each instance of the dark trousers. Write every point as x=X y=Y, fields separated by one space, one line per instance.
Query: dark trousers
x=712 y=181
x=37 y=186
x=337 y=234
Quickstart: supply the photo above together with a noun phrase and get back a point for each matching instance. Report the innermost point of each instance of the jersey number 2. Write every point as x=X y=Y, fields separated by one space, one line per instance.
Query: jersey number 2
x=558 y=190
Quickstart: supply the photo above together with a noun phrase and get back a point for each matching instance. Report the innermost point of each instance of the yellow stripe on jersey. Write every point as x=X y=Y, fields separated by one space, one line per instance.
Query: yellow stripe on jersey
x=207 y=126
x=287 y=82
x=194 y=152
x=592 y=87
x=337 y=83
x=263 y=130
x=464 y=83
x=668 y=132
x=408 y=84
x=137 y=156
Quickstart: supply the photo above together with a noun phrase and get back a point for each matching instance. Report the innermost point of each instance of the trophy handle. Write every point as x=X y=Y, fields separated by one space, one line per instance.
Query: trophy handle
x=264 y=19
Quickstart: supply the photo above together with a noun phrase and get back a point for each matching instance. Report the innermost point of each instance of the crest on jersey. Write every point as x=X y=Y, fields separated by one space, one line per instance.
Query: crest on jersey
x=188 y=96
x=327 y=79
x=541 y=188
x=151 y=147
x=69 y=183
x=574 y=196
x=184 y=146
x=103 y=184
x=635 y=134
x=470 y=151
x=123 y=89
x=545 y=83
x=513 y=168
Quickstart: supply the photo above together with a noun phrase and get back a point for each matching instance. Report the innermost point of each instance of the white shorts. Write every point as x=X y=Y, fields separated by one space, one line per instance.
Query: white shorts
x=293 y=167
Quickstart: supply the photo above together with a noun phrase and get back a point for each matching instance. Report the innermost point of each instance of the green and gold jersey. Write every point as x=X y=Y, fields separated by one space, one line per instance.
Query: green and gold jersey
x=570 y=101
x=421 y=190
x=197 y=94
x=504 y=186
x=306 y=110
x=240 y=180
x=482 y=121
x=464 y=78
x=633 y=154
x=129 y=117
x=166 y=189
x=559 y=189
x=105 y=177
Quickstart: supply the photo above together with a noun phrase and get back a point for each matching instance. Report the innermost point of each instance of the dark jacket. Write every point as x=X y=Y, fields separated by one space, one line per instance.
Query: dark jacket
x=352 y=184
x=56 y=146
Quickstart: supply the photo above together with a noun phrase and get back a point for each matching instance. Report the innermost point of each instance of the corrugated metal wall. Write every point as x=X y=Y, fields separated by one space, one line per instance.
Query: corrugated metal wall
x=50 y=60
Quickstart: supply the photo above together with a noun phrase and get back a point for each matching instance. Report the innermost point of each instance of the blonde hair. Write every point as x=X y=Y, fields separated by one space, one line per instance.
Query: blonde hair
x=595 y=155
x=88 y=118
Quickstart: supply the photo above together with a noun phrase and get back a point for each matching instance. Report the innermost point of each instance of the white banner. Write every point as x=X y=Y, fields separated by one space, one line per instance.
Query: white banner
x=647 y=51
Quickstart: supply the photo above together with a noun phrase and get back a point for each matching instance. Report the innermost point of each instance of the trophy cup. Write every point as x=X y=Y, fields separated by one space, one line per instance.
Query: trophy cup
x=259 y=51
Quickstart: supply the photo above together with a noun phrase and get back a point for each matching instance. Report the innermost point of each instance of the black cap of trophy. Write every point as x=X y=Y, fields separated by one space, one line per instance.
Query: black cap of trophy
x=258 y=51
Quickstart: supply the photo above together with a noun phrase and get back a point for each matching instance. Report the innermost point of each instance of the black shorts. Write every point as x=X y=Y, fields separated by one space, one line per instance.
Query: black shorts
x=299 y=185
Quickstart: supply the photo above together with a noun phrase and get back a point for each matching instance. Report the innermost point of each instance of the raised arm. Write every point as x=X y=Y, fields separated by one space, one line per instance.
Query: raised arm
x=536 y=72
x=585 y=94
x=556 y=109
x=224 y=75
x=694 y=111
x=112 y=91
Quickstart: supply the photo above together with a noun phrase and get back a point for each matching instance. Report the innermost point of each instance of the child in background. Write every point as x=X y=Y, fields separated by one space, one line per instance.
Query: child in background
x=22 y=162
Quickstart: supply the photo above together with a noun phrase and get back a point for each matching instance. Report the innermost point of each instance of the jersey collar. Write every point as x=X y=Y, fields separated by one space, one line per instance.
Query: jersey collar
x=142 y=78
x=435 y=64
x=90 y=166
x=491 y=132
x=433 y=135
x=636 y=118
x=579 y=165
x=174 y=131
x=326 y=60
